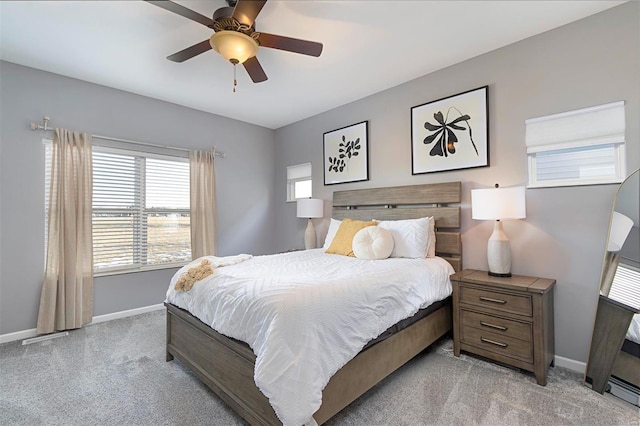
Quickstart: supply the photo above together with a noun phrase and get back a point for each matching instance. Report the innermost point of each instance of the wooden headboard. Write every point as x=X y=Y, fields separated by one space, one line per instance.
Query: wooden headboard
x=410 y=202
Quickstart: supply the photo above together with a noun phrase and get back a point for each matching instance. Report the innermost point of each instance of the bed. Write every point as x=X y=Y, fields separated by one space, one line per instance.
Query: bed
x=227 y=365
x=633 y=333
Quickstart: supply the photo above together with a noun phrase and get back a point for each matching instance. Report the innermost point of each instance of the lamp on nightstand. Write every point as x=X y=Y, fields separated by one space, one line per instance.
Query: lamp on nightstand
x=498 y=204
x=310 y=208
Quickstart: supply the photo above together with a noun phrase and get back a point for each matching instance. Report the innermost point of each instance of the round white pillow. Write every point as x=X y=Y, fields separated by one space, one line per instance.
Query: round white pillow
x=372 y=242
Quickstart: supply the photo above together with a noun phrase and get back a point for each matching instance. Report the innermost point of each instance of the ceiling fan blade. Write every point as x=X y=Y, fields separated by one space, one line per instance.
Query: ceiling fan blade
x=183 y=11
x=190 y=52
x=254 y=69
x=247 y=10
x=289 y=44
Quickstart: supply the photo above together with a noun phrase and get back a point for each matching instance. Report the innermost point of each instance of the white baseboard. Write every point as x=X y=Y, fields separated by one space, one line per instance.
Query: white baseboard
x=124 y=314
x=18 y=335
x=570 y=364
x=27 y=334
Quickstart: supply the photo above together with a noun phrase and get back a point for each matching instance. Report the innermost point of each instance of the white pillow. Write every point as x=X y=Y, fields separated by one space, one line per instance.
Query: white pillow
x=431 y=251
x=331 y=232
x=410 y=237
x=373 y=243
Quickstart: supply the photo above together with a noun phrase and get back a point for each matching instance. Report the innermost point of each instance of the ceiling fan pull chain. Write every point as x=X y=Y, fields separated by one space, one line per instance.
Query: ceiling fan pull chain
x=235 y=82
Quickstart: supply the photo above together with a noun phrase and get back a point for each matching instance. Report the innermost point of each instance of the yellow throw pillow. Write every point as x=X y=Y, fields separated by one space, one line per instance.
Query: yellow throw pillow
x=341 y=243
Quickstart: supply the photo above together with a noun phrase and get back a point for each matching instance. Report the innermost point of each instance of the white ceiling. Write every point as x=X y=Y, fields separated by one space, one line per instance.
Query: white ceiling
x=369 y=46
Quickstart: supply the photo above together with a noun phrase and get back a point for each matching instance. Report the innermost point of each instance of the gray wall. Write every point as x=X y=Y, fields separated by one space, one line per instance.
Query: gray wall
x=244 y=180
x=586 y=63
x=589 y=62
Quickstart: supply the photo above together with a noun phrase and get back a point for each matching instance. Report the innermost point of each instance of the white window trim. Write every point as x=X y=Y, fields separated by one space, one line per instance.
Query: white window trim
x=131 y=270
x=123 y=151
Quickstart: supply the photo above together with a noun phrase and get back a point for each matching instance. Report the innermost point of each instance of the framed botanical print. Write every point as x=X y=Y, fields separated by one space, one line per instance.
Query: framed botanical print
x=451 y=133
x=346 y=154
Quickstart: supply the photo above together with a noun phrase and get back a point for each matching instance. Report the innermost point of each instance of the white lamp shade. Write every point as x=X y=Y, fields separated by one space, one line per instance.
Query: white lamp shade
x=498 y=203
x=310 y=207
x=620 y=228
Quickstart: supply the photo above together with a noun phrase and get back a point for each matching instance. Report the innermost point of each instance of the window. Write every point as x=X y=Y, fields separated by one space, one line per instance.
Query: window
x=625 y=284
x=140 y=210
x=299 y=182
x=581 y=147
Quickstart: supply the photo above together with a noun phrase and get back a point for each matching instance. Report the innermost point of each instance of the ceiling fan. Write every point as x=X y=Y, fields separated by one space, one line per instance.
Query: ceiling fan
x=235 y=37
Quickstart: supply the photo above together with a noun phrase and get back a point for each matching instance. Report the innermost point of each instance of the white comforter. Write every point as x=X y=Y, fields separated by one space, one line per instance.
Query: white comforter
x=305 y=314
x=633 y=333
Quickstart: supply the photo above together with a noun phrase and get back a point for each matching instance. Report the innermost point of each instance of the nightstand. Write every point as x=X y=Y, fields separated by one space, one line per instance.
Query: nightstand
x=509 y=320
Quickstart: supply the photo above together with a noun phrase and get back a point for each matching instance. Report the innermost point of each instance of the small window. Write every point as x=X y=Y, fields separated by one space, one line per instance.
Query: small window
x=299 y=183
x=581 y=147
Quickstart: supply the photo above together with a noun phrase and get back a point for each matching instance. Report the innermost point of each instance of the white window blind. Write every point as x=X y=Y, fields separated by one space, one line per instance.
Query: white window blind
x=140 y=210
x=47 y=179
x=625 y=286
x=581 y=147
x=299 y=183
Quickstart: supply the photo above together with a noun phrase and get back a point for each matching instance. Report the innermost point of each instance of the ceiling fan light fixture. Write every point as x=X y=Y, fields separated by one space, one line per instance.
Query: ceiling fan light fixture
x=234 y=46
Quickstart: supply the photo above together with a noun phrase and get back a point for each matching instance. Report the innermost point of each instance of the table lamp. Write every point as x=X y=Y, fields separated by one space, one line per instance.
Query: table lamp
x=498 y=204
x=620 y=228
x=310 y=208
x=618 y=232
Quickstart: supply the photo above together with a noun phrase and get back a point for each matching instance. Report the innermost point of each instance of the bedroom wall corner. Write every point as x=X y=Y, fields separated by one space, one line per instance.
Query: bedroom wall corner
x=243 y=181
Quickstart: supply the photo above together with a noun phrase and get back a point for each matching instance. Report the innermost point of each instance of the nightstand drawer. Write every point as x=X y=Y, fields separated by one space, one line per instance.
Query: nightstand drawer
x=494 y=342
x=501 y=326
x=512 y=303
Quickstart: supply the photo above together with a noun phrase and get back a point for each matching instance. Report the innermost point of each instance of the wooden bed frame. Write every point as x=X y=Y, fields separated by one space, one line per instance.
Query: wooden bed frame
x=226 y=365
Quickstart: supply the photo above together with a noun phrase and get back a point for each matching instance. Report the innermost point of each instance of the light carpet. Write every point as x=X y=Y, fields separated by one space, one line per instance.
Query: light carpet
x=114 y=373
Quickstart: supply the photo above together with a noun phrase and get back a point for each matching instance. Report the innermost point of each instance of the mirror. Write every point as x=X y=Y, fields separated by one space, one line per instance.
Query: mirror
x=615 y=344
x=623 y=243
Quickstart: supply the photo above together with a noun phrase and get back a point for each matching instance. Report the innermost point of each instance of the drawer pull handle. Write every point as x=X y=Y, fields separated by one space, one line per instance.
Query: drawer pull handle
x=493 y=342
x=497 y=327
x=489 y=299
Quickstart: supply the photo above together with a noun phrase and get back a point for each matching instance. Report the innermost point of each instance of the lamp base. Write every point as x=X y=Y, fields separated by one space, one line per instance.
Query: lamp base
x=495 y=274
x=499 y=252
x=309 y=236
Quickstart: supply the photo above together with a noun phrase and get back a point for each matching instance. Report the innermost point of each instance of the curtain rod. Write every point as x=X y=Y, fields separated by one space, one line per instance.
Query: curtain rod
x=46 y=128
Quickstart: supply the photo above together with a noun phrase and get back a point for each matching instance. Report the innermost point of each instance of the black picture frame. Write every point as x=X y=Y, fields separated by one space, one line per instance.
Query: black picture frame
x=346 y=154
x=451 y=133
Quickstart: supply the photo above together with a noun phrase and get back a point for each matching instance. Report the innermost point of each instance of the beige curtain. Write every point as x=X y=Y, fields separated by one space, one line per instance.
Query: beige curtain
x=66 y=300
x=203 y=203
